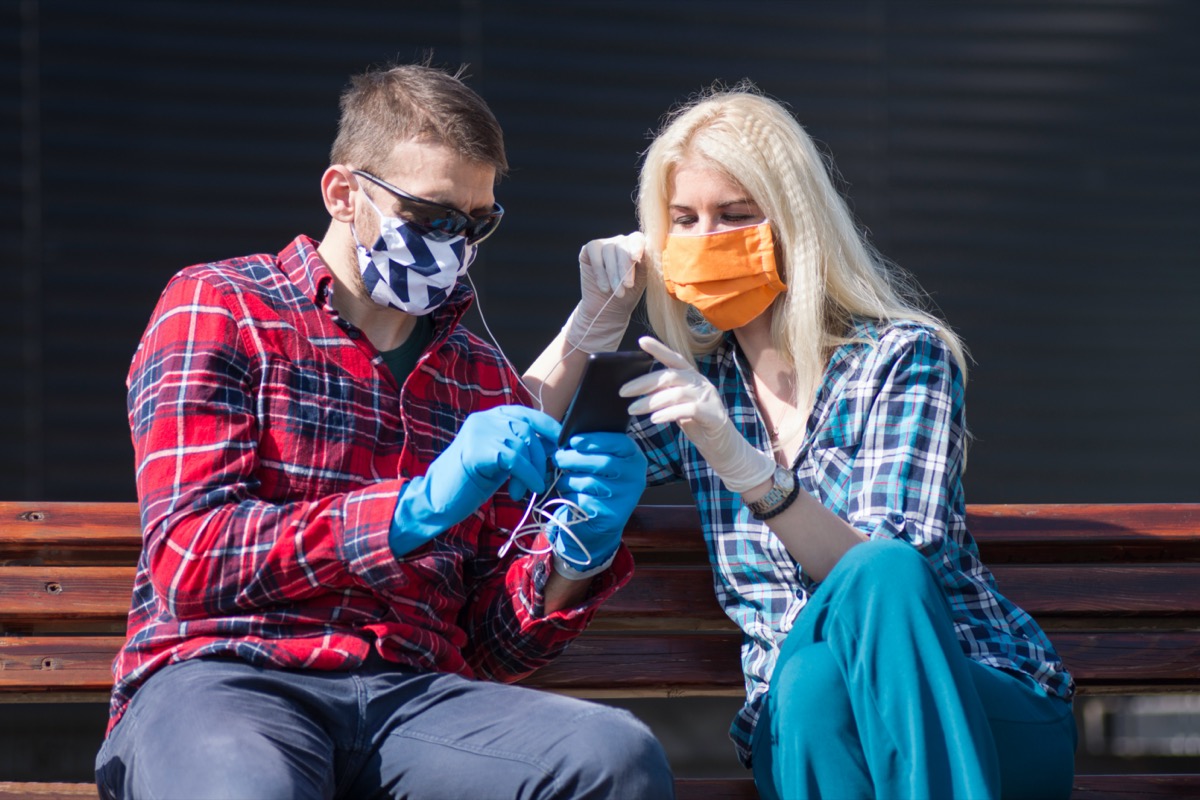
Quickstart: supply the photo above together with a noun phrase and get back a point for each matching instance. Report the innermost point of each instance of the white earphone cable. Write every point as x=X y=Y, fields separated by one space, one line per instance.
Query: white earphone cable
x=543 y=511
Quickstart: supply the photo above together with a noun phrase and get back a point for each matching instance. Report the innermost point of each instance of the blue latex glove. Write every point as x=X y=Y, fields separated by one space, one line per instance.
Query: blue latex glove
x=605 y=474
x=510 y=443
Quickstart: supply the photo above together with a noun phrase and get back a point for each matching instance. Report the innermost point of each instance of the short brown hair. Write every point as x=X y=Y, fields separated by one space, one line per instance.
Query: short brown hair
x=384 y=106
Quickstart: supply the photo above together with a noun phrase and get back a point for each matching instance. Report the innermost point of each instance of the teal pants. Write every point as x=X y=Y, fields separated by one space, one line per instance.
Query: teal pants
x=872 y=696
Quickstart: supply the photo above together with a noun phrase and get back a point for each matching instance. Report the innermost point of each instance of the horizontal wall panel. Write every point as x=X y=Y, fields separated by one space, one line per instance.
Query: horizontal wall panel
x=1036 y=166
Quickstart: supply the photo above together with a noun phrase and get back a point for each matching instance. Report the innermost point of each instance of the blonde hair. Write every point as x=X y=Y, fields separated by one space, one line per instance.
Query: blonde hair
x=832 y=273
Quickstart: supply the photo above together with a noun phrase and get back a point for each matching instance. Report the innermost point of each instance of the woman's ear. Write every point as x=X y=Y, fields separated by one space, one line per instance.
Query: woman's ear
x=337 y=190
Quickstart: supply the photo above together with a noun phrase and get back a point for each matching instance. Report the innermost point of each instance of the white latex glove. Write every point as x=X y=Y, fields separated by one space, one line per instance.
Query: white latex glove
x=611 y=281
x=681 y=394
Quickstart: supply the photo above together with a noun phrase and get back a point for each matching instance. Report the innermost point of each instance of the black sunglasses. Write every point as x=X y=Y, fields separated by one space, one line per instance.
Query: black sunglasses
x=447 y=219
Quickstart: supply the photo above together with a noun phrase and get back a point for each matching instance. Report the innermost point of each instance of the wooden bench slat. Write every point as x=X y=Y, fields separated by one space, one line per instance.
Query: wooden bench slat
x=1085 y=787
x=1049 y=521
x=1075 y=532
x=57 y=663
x=1050 y=590
x=10 y=790
x=666 y=598
x=1099 y=660
x=1135 y=787
x=669 y=597
x=65 y=592
x=684 y=664
x=657 y=533
x=1121 y=660
x=716 y=788
x=61 y=524
x=623 y=665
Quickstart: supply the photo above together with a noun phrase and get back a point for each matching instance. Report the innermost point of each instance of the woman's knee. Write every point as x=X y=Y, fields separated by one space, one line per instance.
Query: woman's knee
x=881 y=579
x=808 y=685
x=884 y=562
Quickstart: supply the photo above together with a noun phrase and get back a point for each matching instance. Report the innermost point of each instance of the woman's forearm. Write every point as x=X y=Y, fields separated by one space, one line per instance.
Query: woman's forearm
x=552 y=378
x=815 y=536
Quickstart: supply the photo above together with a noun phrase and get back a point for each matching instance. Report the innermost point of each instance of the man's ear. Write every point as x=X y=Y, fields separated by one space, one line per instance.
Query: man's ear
x=337 y=185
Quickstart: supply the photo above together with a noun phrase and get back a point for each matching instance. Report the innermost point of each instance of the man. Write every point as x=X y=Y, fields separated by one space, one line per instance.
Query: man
x=328 y=468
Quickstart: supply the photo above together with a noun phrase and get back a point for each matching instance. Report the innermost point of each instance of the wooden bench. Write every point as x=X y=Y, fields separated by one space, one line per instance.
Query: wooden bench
x=1116 y=586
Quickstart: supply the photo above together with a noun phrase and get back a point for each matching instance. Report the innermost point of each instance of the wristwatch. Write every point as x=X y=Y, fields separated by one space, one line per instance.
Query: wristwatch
x=781 y=495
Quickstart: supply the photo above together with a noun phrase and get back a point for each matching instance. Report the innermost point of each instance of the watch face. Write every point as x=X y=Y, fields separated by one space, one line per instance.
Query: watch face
x=785 y=479
x=785 y=483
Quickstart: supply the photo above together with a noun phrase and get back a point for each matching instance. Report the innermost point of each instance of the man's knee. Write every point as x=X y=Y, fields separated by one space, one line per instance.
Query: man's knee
x=187 y=733
x=614 y=754
x=227 y=763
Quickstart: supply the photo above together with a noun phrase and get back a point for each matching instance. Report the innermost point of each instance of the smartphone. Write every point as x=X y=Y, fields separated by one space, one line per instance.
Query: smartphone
x=596 y=405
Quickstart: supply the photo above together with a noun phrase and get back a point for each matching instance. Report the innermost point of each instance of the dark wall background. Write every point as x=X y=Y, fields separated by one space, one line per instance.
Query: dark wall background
x=1036 y=165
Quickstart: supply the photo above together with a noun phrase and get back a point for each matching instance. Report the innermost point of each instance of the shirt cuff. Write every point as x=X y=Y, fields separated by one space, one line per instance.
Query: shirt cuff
x=576 y=618
x=367 y=521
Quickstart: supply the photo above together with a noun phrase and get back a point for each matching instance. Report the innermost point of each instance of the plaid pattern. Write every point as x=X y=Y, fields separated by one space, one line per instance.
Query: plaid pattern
x=271 y=443
x=884 y=451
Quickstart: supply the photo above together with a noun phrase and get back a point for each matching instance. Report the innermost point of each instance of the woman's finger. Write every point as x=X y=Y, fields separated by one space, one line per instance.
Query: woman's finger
x=654 y=381
x=592 y=256
x=664 y=354
x=635 y=249
x=665 y=399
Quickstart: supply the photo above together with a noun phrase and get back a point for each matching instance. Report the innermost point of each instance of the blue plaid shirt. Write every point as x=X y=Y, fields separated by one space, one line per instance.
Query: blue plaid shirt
x=884 y=450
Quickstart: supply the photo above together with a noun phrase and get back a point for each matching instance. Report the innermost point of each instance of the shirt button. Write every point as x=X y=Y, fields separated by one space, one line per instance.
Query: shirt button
x=895 y=517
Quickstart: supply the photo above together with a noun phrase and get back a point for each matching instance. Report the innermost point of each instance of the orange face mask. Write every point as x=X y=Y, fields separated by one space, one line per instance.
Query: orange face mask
x=730 y=276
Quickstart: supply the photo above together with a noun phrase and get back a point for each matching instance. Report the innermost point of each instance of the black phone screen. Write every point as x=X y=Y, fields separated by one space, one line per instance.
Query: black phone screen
x=596 y=405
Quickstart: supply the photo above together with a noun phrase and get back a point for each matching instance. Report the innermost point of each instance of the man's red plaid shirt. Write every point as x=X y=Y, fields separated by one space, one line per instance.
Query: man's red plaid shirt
x=270 y=444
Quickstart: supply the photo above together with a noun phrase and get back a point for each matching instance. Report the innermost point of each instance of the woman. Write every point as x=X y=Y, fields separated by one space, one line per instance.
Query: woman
x=816 y=412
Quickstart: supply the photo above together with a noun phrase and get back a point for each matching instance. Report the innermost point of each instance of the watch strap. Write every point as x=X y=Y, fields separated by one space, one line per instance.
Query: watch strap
x=780 y=497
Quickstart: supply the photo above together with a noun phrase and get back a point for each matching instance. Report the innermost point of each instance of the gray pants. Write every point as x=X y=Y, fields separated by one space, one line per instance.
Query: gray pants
x=225 y=729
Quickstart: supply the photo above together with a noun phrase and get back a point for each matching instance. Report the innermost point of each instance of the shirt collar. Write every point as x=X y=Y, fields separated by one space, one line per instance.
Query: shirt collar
x=305 y=268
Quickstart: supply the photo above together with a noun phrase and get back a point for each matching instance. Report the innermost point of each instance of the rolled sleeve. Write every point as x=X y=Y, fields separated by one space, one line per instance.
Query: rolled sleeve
x=364 y=546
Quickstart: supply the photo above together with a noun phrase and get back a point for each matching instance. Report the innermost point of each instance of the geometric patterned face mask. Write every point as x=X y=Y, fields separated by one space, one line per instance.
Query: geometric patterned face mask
x=408 y=270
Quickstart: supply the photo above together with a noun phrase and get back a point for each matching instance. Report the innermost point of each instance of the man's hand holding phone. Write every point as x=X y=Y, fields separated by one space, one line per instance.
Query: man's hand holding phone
x=507 y=443
x=604 y=473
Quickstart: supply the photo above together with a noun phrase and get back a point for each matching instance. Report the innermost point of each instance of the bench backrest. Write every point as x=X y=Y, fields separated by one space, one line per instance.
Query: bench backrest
x=1117 y=587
